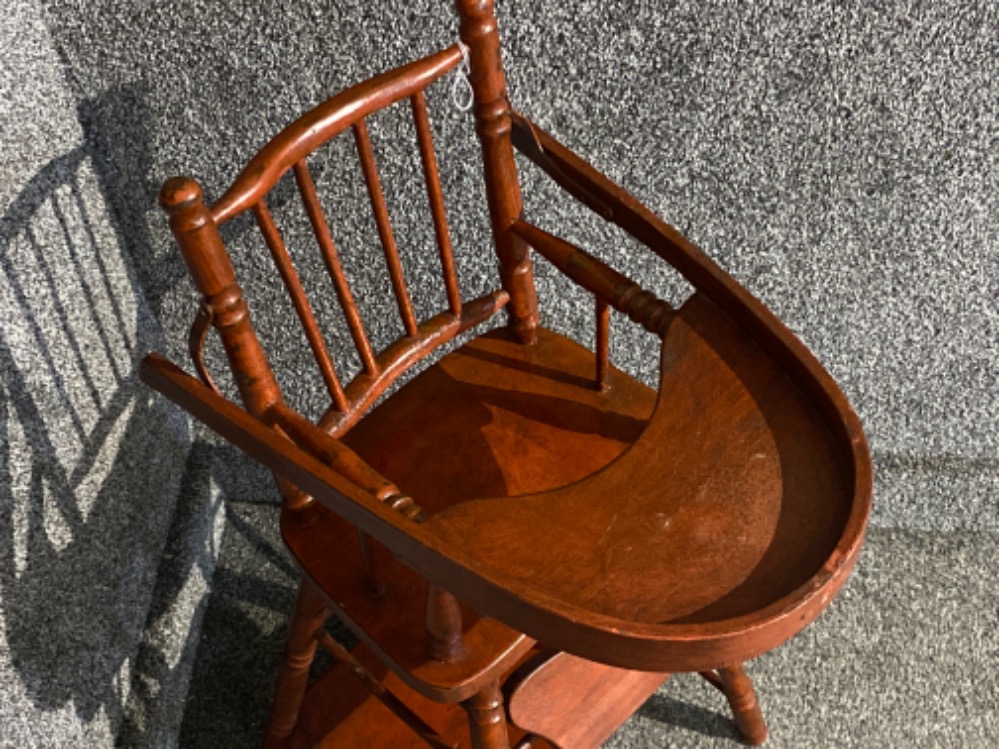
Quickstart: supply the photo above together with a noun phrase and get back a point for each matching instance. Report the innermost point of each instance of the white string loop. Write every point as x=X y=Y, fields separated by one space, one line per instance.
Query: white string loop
x=463 y=99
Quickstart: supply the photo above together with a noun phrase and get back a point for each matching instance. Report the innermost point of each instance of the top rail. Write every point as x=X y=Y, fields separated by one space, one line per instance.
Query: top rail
x=325 y=121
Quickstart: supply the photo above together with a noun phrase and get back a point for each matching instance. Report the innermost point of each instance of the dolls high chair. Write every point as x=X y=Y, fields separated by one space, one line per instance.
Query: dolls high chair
x=525 y=540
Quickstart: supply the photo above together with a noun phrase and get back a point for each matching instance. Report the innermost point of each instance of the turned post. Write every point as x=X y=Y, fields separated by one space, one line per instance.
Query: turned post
x=738 y=688
x=307 y=622
x=444 y=625
x=480 y=34
x=201 y=246
x=487 y=718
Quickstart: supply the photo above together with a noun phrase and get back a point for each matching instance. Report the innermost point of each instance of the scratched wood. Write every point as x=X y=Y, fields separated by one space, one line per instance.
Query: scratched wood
x=522 y=490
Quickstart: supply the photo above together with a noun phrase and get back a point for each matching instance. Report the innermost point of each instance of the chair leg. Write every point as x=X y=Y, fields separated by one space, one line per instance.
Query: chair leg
x=738 y=688
x=487 y=718
x=307 y=620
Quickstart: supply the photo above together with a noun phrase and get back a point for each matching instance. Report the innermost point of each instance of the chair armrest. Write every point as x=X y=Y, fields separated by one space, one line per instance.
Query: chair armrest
x=294 y=441
x=600 y=194
x=604 y=282
x=617 y=205
x=340 y=458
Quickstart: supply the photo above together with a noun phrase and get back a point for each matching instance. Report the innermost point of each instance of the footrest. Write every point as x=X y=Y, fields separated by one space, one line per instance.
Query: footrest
x=338 y=711
x=573 y=702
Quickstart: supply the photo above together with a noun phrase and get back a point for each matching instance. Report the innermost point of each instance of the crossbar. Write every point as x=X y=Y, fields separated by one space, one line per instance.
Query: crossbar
x=594 y=275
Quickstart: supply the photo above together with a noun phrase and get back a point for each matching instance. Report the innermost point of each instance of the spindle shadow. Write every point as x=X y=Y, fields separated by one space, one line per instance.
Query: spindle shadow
x=90 y=462
x=683 y=715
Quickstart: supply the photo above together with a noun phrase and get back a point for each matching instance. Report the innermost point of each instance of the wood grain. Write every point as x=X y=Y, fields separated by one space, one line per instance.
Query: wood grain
x=326 y=121
x=522 y=489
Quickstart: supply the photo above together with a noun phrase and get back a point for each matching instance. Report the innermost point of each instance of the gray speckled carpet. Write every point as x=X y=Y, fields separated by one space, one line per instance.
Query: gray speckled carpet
x=839 y=159
x=907 y=655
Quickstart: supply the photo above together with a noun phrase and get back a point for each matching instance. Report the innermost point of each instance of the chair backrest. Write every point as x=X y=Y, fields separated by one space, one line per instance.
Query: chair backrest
x=196 y=227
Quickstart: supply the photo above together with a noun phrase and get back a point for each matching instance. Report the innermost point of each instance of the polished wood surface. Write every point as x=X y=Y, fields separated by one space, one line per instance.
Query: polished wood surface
x=755 y=489
x=607 y=284
x=522 y=490
x=528 y=418
x=325 y=122
x=574 y=702
x=617 y=206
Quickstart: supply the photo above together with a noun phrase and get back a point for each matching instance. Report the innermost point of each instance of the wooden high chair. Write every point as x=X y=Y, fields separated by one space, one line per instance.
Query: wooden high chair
x=525 y=540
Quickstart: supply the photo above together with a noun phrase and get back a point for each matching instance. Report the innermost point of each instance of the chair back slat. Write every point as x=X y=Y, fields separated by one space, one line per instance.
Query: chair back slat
x=380 y=210
x=308 y=319
x=291 y=150
x=436 y=197
x=324 y=239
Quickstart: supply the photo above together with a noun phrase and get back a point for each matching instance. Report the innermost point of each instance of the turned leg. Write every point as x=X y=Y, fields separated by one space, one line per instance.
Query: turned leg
x=444 y=625
x=738 y=688
x=487 y=718
x=306 y=621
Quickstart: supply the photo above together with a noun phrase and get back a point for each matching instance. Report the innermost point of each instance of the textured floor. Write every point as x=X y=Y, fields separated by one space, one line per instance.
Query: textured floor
x=839 y=159
x=907 y=655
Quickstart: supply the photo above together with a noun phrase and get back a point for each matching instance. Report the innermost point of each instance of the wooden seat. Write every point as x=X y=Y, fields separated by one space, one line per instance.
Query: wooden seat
x=525 y=540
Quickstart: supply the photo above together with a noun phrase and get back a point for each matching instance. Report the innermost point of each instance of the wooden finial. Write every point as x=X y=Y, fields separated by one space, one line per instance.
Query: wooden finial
x=178 y=193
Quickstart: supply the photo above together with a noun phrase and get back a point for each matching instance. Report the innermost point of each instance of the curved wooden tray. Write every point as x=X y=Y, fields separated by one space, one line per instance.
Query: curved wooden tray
x=723 y=529
x=743 y=502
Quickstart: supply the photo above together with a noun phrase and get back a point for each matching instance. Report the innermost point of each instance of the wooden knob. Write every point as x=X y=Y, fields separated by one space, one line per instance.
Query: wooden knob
x=179 y=192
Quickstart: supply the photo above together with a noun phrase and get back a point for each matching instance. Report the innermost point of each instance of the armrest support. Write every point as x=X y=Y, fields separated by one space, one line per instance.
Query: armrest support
x=604 y=282
x=340 y=458
x=602 y=195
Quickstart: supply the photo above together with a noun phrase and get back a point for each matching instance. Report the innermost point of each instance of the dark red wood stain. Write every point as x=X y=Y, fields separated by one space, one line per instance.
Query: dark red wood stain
x=522 y=490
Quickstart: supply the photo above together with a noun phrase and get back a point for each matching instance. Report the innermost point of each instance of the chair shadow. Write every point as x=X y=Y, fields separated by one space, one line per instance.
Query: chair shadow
x=243 y=633
x=237 y=658
x=679 y=714
x=91 y=467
